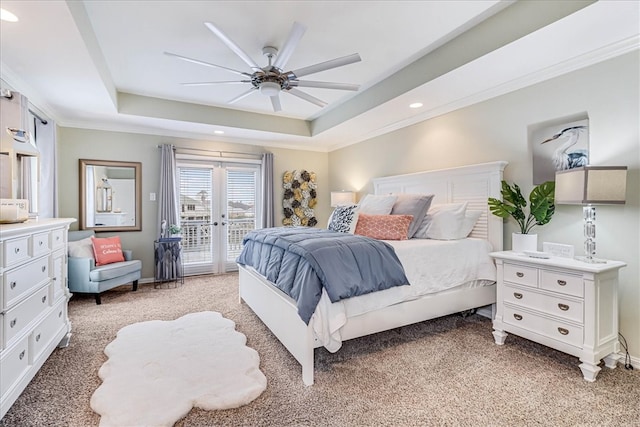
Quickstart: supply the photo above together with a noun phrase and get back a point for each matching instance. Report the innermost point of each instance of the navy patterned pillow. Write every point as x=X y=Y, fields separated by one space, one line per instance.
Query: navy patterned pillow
x=344 y=219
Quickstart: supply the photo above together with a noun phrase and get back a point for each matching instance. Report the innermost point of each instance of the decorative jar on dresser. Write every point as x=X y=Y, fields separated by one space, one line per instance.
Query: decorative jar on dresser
x=563 y=303
x=33 y=301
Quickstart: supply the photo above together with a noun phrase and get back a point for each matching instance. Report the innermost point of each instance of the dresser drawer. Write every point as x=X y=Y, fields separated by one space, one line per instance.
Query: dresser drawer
x=21 y=280
x=561 y=282
x=15 y=363
x=47 y=330
x=57 y=238
x=16 y=251
x=556 y=305
x=23 y=314
x=549 y=327
x=521 y=275
x=40 y=244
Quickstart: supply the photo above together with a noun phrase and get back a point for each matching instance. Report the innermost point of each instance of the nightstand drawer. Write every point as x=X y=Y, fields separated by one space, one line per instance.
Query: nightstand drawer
x=521 y=275
x=548 y=327
x=561 y=282
x=551 y=304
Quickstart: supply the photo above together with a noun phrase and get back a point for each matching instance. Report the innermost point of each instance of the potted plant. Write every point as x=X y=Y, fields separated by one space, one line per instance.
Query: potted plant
x=174 y=230
x=541 y=209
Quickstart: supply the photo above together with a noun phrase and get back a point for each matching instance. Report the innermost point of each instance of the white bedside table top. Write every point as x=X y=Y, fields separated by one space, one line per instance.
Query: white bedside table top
x=569 y=263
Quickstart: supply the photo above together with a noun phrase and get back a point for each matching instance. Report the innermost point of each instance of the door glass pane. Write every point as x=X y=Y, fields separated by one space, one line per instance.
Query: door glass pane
x=241 y=208
x=195 y=214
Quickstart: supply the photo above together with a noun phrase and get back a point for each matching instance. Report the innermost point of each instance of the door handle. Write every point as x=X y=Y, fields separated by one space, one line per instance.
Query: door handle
x=215 y=223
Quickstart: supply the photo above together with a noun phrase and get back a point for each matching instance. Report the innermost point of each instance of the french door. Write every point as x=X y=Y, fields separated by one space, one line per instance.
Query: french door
x=219 y=205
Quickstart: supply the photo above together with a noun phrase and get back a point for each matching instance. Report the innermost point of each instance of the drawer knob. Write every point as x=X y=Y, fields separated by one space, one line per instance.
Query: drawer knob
x=563 y=307
x=37 y=337
x=57 y=238
x=16 y=250
x=562 y=282
x=519 y=274
x=21 y=355
x=563 y=331
x=13 y=322
x=44 y=268
x=40 y=242
x=59 y=314
x=12 y=285
x=517 y=316
x=518 y=295
x=44 y=298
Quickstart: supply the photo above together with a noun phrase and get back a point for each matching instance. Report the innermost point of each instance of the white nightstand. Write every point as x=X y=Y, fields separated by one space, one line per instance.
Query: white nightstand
x=563 y=303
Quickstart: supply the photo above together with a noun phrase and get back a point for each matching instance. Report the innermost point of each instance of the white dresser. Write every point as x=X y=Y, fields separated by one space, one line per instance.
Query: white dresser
x=569 y=305
x=33 y=301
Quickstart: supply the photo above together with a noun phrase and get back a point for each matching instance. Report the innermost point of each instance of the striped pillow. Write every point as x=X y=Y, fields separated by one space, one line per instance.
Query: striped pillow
x=384 y=227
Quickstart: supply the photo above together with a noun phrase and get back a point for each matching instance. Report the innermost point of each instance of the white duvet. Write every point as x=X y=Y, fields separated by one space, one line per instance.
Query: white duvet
x=430 y=265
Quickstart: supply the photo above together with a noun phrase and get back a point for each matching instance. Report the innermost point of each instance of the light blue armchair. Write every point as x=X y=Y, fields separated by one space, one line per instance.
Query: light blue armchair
x=85 y=277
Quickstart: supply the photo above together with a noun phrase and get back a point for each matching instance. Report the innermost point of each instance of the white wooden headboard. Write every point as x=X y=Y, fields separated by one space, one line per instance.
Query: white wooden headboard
x=473 y=184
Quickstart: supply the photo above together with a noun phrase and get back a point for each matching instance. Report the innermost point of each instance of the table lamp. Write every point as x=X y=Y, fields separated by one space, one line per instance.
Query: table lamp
x=590 y=186
x=341 y=198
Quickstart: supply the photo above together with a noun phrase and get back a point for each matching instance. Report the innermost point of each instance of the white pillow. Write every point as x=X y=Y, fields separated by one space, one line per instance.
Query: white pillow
x=374 y=204
x=444 y=221
x=81 y=248
x=470 y=219
x=344 y=219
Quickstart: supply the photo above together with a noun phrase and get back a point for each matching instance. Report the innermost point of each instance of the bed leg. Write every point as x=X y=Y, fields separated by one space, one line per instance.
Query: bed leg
x=307 y=373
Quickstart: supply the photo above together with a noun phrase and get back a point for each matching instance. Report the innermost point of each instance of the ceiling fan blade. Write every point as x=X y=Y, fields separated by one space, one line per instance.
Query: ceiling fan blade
x=242 y=95
x=323 y=85
x=297 y=31
x=307 y=97
x=275 y=102
x=327 y=65
x=207 y=64
x=233 y=46
x=216 y=83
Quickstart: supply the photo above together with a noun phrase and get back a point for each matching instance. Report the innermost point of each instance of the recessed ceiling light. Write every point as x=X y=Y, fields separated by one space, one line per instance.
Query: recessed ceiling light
x=415 y=105
x=218 y=132
x=5 y=15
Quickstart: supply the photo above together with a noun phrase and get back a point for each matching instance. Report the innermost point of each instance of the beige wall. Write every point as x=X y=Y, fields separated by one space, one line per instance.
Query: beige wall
x=75 y=144
x=498 y=130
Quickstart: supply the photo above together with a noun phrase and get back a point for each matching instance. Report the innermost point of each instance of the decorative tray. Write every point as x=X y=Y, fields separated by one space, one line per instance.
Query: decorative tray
x=13 y=221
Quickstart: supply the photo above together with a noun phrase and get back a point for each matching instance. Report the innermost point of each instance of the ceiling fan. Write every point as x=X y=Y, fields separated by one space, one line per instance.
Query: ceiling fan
x=272 y=79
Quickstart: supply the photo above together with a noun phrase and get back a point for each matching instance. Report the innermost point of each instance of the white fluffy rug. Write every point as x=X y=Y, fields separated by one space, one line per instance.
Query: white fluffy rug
x=158 y=370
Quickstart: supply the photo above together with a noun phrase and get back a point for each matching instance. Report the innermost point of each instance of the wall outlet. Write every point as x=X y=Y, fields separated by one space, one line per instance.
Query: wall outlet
x=558 y=249
x=152 y=197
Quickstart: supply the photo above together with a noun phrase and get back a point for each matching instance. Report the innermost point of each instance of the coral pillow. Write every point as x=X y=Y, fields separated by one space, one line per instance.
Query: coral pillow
x=384 y=227
x=107 y=250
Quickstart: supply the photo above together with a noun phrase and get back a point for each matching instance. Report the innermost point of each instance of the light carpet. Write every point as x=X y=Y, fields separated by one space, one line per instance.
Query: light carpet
x=159 y=370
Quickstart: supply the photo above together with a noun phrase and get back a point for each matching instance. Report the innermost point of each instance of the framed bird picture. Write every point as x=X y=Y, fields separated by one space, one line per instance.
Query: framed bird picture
x=559 y=147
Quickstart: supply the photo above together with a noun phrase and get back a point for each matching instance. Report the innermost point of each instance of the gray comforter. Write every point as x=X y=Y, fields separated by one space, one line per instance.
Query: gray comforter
x=302 y=261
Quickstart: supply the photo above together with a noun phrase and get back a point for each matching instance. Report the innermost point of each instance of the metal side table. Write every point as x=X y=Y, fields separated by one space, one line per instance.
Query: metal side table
x=168 y=265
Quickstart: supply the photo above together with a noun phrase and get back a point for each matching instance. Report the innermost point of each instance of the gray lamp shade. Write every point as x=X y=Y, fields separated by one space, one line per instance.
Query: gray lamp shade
x=597 y=185
x=341 y=198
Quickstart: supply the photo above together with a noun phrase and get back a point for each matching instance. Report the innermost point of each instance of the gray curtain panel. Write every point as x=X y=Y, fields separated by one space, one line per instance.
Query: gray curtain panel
x=168 y=193
x=45 y=135
x=268 y=213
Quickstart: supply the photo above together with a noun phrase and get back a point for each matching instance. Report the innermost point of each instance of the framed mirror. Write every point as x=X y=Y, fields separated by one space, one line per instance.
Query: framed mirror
x=110 y=195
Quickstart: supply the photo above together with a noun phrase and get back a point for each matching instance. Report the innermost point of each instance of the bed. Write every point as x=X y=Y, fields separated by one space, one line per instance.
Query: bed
x=472 y=184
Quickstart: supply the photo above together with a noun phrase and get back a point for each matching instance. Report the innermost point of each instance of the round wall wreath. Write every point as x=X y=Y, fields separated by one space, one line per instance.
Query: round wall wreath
x=299 y=198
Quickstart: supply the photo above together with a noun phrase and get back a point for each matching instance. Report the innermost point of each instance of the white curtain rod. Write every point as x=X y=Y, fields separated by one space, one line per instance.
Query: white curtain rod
x=219 y=152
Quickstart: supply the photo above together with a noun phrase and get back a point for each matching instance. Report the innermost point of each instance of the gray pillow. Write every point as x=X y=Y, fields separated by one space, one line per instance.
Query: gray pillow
x=412 y=204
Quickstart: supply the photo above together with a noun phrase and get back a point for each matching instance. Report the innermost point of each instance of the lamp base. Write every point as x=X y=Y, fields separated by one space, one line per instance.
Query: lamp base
x=591 y=260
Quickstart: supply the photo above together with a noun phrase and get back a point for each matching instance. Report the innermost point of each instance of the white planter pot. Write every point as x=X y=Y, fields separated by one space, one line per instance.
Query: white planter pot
x=524 y=242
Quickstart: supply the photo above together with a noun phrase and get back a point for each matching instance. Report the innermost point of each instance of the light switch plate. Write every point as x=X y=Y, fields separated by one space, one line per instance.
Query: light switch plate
x=558 y=249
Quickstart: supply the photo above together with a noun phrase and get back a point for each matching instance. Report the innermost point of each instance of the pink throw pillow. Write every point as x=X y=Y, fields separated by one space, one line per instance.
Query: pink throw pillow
x=107 y=250
x=384 y=227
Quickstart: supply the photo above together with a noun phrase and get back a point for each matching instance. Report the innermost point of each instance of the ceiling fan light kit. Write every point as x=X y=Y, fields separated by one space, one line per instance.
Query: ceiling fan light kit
x=272 y=79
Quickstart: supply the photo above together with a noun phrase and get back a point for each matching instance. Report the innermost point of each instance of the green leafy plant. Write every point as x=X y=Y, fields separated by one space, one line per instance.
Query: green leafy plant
x=541 y=206
x=174 y=229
